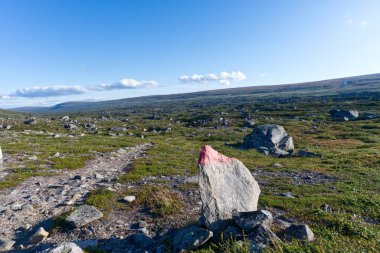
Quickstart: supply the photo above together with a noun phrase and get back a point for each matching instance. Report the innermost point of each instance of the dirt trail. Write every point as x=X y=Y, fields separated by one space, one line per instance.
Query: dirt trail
x=38 y=199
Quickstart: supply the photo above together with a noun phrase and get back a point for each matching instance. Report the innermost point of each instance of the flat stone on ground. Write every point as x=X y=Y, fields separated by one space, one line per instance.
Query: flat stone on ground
x=83 y=215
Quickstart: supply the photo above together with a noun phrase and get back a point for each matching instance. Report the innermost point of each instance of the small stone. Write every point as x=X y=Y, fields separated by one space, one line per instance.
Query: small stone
x=327 y=208
x=66 y=247
x=190 y=238
x=98 y=176
x=87 y=244
x=83 y=215
x=6 y=245
x=27 y=207
x=39 y=236
x=277 y=165
x=16 y=207
x=263 y=235
x=129 y=199
x=141 y=241
x=33 y=158
x=250 y=220
x=300 y=232
x=287 y=195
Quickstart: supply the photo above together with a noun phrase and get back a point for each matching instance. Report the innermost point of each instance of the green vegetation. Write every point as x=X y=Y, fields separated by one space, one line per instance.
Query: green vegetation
x=350 y=155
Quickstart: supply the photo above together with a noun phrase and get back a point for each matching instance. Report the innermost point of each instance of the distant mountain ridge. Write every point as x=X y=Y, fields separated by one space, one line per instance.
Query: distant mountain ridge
x=356 y=84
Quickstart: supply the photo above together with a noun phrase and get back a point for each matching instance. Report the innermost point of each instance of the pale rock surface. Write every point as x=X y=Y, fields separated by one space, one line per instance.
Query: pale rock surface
x=270 y=139
x=226 y=187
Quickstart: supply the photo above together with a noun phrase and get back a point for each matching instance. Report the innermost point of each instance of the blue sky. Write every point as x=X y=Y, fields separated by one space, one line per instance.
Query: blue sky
x=55 y=51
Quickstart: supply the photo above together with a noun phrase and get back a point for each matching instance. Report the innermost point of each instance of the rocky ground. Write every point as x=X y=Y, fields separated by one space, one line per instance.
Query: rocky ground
x=35 y=202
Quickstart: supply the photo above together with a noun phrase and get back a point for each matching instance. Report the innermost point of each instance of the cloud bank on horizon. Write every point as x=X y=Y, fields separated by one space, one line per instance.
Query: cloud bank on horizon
x=224 y=78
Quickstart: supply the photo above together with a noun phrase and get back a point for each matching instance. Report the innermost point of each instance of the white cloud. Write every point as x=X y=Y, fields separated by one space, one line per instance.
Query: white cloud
x=224 y=78
x=127 y=84
x=5 y=97
x=50 y=91
x=364 y=23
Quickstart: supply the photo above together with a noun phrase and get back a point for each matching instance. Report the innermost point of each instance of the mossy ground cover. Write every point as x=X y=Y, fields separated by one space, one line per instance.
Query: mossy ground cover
x=350 y=153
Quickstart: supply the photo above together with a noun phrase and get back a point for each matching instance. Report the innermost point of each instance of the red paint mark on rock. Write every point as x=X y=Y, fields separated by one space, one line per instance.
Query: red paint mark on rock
x=209 y=155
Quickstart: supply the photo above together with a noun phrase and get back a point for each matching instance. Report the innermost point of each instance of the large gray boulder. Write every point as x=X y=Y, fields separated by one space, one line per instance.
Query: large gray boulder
x=270 y=139
x=226 y=187
x=83 y=215
x=344 y=115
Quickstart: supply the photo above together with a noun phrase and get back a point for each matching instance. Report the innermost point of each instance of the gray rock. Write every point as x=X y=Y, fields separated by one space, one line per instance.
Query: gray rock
x=264 y=236
x=30 y=121
x=6 y=245
x=249 y=123
x=141 y=241
x=27 y=207
x=70 y=126
x=270 y=140
x=39 y=236
x=250 y=220
x=303 y=153
x=66 y=247
x=344 y=115
x=129 y=199
x=226 y=187
x=300 y=232
x=83 y=215
x=190 y=238
x=327 y=208
x=232 y=232
x=87 y=244
x=287 y=195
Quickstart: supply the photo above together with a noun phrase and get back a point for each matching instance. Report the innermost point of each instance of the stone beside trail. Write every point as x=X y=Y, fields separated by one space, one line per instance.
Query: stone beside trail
x=83 y=215
x=271 y=140
x=226 y=187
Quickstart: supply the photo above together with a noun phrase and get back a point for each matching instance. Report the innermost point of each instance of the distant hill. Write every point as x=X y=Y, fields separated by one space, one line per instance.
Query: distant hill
x=341 y=86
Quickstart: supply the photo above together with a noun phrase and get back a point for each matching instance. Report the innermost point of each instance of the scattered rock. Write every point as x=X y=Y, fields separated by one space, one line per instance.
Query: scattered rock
x=250 y=220
x=287 y=195
x=300 y=232
x=249 y=123
x=344 y=115
x=66 y=247
x=30 y=121
x=190 y=238
x=39 y=236
x=70 y=126
x=264 y=236
x=141 y=241
x=277 y=165
x=270 y=140
x=327 y=208
x=221 y=178
x=129 y=199
x=83 y=215
x=6 y=245
x=303 y=153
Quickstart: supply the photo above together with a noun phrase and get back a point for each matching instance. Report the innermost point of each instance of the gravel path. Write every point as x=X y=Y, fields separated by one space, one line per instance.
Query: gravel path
x=24 y=208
